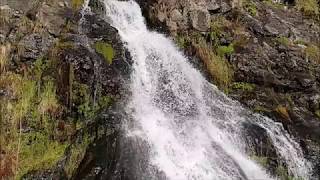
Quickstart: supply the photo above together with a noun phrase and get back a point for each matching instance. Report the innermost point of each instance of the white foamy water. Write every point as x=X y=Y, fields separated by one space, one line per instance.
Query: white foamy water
x=193 y=130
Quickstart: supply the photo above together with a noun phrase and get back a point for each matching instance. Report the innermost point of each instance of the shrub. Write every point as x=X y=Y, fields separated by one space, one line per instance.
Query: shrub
x=283 y=41
x=225 y=50
x=308 y=7
x=313 y=53
x=105 y=50
x=250 y=7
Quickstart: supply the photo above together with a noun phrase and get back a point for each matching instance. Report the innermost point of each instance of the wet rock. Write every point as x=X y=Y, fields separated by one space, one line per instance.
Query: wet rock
x=34 y=46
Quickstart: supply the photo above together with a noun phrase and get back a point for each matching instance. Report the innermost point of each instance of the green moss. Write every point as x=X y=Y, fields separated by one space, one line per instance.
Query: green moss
x=106 y=50
x=225 y=50
x=39 y=153
x=104 y=102
x=82 y=100
x=77 y=153
x=243 y=86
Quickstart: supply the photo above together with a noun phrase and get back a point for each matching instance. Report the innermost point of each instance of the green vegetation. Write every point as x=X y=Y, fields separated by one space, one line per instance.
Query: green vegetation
x=217 y=66
x=313 y=53
x=225 y=50
x=106 y=50
x=36 y=123
x=318 y=113
x=77 y=4
x=77 y=153
x=181 y=41
x=260 y=109
x=217 y=30
x=243 y=86
x=308 y=7
x=38 y=152
x=263 y=161
x=250 y=7
x=283 y=41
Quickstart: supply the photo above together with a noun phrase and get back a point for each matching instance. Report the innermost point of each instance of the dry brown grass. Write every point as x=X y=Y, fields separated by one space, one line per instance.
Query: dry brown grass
x=4 y=55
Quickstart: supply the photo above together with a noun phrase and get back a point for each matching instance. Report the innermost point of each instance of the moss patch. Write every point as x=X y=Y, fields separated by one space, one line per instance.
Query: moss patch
x=106 y=50
x=38 y=153
x=77 y=153
x=243 y=86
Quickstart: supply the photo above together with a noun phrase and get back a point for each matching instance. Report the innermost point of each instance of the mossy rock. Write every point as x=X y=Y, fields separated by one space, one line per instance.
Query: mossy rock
x=106 y=50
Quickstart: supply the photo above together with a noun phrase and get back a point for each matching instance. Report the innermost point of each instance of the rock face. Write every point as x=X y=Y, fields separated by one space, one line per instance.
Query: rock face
x=45 y=44
x=181 y=15
x=272 y=50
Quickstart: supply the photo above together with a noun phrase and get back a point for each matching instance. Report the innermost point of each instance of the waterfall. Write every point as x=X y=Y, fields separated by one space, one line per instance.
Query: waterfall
x=190 y=129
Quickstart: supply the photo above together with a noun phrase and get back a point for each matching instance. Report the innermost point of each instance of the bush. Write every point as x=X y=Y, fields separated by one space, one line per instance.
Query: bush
x=283 y=41
x=313 y=53
x=308 y=7
x=250 y=7
x=225 y=50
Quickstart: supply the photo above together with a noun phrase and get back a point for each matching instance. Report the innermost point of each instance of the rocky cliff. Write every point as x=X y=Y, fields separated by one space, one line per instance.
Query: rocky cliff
x=64 y=75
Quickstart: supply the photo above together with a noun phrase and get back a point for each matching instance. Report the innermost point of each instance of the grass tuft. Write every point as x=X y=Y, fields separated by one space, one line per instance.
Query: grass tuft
x=313 y=53
x=308 y=7
x=4 y=55
x=217 y=66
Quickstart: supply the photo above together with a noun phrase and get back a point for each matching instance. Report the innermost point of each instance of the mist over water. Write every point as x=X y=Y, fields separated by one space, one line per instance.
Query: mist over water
x=190 y=130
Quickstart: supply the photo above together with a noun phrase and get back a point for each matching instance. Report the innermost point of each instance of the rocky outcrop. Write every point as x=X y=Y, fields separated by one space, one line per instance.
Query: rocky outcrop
x=50 y=45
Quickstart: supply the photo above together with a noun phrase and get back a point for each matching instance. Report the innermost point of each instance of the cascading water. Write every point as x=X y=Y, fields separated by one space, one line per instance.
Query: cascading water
x=190 y=129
